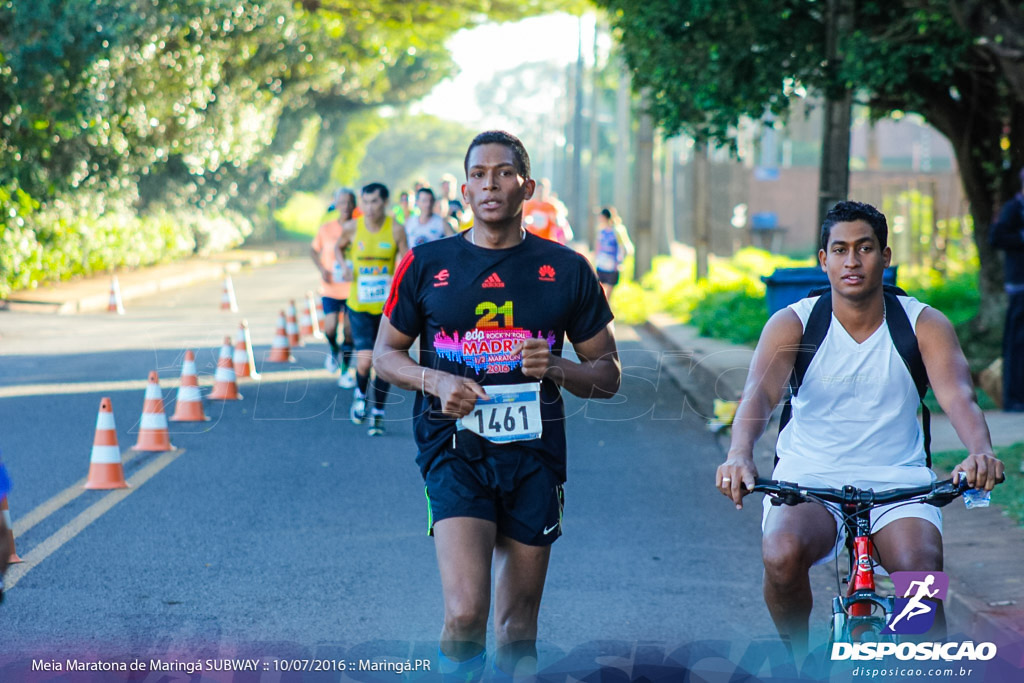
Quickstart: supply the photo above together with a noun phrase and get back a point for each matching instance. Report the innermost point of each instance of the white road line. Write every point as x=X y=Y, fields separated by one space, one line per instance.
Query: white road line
x=90 y=515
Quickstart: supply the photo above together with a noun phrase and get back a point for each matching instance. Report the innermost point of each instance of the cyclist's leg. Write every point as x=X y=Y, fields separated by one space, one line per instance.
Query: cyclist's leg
x=795 y=537
x=520 y=571
x=912 y=544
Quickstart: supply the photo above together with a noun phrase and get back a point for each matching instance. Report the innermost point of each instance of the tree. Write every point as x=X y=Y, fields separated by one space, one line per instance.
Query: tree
x=958 y=64
x=169 y=107
x=416 y=146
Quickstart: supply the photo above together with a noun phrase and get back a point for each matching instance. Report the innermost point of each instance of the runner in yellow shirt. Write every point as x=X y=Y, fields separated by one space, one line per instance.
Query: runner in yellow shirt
x=375 y=242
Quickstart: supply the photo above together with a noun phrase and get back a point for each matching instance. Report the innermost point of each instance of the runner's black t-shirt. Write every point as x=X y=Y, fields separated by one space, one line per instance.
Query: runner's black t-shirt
x=470 y=306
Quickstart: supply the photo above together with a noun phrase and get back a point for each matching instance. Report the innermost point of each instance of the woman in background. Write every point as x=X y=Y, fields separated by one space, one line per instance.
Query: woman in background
x=612 y=248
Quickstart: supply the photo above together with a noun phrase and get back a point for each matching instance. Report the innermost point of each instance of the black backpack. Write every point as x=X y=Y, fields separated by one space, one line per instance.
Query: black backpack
x=903 y=338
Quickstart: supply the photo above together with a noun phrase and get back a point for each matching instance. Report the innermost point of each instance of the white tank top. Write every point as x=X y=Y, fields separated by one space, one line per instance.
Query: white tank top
x=857 y=406
x=420 y=233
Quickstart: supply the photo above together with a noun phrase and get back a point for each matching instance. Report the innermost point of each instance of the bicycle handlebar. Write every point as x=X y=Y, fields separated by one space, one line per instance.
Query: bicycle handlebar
x=939 y=493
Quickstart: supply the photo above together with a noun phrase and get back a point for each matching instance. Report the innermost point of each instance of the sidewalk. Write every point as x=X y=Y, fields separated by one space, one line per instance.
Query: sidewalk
x=984 y=550
x=93 y=293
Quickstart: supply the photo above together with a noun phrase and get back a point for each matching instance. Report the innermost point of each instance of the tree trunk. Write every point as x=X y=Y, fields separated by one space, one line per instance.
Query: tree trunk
x=975 y=139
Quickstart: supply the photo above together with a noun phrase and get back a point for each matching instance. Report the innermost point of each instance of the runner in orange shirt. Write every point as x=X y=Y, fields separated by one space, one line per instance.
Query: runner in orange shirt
x=336 y=280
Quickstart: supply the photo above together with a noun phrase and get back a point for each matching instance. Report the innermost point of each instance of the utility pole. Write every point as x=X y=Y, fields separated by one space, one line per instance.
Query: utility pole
x=579 y=218
x=593 y=191
x=643 y=189
x=834 y=183
x=623 y=128
x=701 y=222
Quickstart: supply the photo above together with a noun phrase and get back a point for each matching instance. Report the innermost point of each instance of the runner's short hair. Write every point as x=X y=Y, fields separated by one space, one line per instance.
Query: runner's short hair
x=848 y=211
x=426 y=191
x=376 y=187
x=500 y=137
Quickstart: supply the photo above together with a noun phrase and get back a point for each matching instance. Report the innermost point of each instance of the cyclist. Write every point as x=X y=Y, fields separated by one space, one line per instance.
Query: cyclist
x=854 y=421
x=494 y=486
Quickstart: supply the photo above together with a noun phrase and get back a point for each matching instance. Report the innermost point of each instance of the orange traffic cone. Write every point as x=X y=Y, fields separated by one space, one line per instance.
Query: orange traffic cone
x=13 y=559
x=280 y=352
x=305 y=321
x=292 y=327
x=314 y=316
x=224 y=386
x=105 y=469
x=153 y=435
x=227 y=299
x=320 y=316
x=244 y=361
x=115 y=305
x=189 y=405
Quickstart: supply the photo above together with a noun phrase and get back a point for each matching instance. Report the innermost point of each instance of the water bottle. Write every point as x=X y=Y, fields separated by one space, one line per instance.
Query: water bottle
x=977 y=498
x=336 y=272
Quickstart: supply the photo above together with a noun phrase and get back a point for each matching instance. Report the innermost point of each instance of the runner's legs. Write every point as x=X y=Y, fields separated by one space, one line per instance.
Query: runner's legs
x=520 y=571
x=464 y=548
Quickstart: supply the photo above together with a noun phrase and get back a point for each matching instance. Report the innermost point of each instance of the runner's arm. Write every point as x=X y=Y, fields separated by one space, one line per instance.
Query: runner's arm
x=950 y=379
x=398 y=231
x=769 y=372
x=325 y=274
x=348 y=231
x=392 y=362
x=598 y=375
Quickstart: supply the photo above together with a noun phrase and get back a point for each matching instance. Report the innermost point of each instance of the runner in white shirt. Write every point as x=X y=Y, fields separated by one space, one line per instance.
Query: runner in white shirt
x=427 y=226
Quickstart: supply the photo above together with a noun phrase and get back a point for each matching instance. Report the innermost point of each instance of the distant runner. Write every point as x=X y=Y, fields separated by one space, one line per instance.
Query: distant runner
x=335 y=282
x=426 y=226
x=376 y=241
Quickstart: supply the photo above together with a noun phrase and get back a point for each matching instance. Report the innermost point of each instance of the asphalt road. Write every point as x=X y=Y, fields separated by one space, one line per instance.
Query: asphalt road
x=280 y=530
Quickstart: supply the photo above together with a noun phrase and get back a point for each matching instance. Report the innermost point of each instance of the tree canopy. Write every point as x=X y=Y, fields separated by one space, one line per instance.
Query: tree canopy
x=706 y=64
x=196 y=105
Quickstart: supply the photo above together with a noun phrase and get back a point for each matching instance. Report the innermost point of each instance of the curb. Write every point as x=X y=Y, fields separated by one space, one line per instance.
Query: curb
x=93 y=294
x=702 y=363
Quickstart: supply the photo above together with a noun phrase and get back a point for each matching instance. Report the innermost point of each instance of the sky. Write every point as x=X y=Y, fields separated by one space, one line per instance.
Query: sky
x=550 y=37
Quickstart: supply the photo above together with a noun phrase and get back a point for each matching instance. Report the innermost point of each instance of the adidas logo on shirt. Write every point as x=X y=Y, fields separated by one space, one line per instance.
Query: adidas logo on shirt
x=493 y=281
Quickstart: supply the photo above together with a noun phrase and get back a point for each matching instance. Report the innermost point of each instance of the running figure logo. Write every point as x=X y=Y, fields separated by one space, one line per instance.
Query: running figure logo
x=914 y=612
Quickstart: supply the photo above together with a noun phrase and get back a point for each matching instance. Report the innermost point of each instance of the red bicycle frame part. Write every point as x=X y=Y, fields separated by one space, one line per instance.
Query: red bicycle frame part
x=863 y=574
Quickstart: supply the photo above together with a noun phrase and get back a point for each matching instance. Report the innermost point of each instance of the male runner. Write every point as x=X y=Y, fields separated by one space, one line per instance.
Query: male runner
x=5 y=546
x=427 y=226
x=335 y=282
x=854 y=421
x=490 y=307
x=376 y=241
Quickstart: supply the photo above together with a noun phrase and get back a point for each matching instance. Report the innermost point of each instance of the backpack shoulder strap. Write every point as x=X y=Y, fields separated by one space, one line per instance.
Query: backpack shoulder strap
x=815 y=330
x=905 y=341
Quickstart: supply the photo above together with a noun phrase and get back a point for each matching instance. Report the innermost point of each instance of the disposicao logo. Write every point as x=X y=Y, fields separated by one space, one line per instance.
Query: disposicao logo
x=917 y=597
x=914 y=613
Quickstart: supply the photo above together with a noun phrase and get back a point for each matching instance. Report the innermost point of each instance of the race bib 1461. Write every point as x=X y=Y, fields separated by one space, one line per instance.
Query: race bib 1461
x=512 y=413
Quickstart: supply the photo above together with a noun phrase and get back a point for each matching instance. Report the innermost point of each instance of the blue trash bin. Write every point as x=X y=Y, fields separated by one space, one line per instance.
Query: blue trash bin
x=788 y=285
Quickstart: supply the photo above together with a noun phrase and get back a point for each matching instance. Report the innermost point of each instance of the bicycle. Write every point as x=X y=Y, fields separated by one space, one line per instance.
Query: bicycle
x=862 y=614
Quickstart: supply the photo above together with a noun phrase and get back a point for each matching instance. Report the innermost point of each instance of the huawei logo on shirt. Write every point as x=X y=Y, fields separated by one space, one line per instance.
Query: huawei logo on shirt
x=493 y=281
x=442 y=278
x=546 y=274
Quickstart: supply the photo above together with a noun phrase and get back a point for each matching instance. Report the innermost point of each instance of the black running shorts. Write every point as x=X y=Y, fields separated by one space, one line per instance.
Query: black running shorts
x=510 y=486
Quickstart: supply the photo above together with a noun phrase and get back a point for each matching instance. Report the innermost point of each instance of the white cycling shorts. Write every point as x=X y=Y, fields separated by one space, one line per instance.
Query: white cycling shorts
x=796 y=470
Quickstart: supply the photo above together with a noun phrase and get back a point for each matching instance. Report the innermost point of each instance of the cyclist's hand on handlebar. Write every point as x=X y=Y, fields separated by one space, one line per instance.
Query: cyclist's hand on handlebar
x=735 y=478
x=983 y=471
